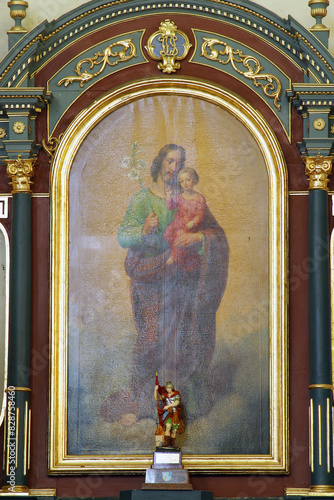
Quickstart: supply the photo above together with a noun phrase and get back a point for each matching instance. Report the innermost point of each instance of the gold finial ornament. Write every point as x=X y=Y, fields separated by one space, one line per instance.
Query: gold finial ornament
x=318 y=11
x=18 y=13
x=20 y=171
x=317 y=169
x=169 y=45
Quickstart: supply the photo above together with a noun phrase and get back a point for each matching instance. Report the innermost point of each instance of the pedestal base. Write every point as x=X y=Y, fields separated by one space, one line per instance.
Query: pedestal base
x=167 y=472
x=163 y=479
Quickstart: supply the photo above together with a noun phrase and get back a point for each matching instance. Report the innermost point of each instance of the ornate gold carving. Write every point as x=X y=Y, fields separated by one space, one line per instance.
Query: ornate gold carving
x=319 y=124
x=128 y=52
x=52 y=146
x=332 y=129
x=272 y=89
x=20 y=171
x=317 y=170
x=19 y=127
x=166 y=38
x=2 y=133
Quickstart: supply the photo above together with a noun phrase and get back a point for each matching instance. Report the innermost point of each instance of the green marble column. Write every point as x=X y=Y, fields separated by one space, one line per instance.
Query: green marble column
x=17 y=425
x=321 y=395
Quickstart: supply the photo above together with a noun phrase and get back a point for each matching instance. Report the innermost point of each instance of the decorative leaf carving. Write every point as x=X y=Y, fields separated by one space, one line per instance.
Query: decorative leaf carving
x=101 y=58
x=273 y=87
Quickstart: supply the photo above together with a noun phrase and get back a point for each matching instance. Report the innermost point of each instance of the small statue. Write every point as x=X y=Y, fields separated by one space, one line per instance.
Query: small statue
x=169 y=413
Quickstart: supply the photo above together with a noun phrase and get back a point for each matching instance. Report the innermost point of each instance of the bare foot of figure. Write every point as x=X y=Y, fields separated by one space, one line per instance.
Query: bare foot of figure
x=170 y=261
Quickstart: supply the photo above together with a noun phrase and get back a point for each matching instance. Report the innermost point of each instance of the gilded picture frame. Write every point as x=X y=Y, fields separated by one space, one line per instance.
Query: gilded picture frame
x=70 y=197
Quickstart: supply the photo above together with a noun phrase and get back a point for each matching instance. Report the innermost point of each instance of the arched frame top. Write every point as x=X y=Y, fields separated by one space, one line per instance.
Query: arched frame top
x=277 y=458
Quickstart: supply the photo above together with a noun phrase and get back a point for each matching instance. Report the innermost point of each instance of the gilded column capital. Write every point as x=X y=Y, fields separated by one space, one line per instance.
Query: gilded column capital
x=318 y=168
x=20 y=171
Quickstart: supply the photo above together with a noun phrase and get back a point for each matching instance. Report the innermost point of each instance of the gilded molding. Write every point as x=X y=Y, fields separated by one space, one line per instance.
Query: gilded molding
x=51 y=147
x=167 y=36
x=13 y=388
x=128 y=52
x=20 y=171
x=273 y=87
x=277 y=458
x=321 y=386
x=324 y=490
x=317 y=169
x=328 y=435
x=311 y=436
x=8 y=490
x=2 y=133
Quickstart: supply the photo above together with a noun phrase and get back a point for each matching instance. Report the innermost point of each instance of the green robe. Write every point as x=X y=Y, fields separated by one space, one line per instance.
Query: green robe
x=130 y=231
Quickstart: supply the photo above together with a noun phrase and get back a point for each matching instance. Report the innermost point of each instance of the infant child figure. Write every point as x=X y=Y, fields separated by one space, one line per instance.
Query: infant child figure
x=190 y=207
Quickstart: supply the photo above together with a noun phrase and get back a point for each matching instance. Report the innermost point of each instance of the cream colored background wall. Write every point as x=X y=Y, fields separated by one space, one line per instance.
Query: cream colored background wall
x=39 y=10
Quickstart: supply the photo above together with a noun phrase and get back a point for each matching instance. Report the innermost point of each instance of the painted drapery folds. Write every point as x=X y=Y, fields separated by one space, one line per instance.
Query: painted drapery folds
x=214 y=329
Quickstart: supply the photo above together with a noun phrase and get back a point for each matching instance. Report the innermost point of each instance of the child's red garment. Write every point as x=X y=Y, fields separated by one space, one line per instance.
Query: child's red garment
x=187 y=210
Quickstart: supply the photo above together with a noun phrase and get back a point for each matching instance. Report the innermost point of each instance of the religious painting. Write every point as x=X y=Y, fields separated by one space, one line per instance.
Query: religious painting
x=168 y=259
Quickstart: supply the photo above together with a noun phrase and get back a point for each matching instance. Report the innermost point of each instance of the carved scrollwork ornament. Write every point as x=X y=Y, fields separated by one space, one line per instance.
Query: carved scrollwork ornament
x=51 y=146
x=272 y=87
x=318 y=169
x=20 y=171
x=332 y=129
x=319 y=124
x=125 y=52
x=2 y=133
x=165 y=45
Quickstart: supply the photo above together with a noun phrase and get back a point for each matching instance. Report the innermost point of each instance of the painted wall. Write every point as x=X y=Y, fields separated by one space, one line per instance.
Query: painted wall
x=39 y=10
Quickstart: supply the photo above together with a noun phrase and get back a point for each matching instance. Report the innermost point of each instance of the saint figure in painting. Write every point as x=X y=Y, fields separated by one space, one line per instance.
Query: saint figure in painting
x=174 y=309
